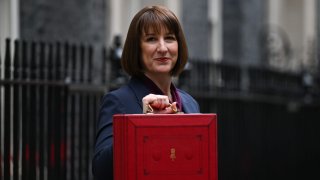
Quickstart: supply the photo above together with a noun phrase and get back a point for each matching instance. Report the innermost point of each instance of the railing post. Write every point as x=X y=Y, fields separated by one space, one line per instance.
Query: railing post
x=72 y=123
x=0 y=117
x=51 y=116
x=244 y=79
x=64 y=109
x=33 y=121
x=90 y=65
x=42 y=111
x=7 y=112
x=17 y=110
x=25 y=112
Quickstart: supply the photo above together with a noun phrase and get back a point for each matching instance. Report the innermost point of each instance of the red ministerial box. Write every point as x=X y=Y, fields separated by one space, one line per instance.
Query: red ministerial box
x=165 y=147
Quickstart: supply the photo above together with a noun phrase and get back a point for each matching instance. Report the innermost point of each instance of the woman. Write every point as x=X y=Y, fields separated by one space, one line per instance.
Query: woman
x=155 y=50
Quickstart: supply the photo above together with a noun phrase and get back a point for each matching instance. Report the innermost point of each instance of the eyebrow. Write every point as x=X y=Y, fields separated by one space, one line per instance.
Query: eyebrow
x=149 y=34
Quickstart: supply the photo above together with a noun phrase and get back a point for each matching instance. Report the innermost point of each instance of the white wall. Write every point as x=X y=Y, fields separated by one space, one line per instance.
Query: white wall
x=9 y=22
x=298 y=19
x=215 y=18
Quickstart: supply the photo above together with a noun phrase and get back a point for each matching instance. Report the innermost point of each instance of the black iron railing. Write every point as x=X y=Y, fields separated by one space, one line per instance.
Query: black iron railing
x=49 y=111
x=208 y=79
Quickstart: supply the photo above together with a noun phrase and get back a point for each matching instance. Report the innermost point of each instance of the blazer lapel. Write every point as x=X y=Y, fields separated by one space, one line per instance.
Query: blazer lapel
x=139 y=89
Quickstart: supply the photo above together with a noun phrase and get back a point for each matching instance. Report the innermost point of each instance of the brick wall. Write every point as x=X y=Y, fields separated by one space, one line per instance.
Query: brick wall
x=71 y=20
x=195 y=24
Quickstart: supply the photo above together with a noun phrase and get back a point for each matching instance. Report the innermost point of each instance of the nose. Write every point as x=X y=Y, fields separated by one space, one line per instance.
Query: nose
x=162 y=47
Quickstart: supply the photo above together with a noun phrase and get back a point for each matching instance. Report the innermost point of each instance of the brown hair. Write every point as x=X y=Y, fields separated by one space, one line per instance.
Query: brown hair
x=154 y=17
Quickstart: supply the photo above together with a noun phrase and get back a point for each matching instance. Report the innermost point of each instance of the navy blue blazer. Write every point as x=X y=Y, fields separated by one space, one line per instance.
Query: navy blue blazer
x=125 y=100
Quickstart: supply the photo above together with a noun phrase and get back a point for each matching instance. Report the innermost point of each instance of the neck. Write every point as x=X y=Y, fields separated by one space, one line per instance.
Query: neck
x=163 y=82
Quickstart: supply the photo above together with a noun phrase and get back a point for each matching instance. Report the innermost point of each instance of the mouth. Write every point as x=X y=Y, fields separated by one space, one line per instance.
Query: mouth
x=162 y=59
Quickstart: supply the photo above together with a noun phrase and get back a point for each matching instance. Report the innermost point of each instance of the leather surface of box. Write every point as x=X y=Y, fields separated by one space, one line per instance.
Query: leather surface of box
x=165 y=147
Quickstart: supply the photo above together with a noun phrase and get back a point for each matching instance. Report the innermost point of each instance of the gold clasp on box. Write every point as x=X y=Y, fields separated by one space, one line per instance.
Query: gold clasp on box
x=173 y=154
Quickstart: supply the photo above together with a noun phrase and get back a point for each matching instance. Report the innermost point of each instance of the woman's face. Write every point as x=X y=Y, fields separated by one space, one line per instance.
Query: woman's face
x=159 y=52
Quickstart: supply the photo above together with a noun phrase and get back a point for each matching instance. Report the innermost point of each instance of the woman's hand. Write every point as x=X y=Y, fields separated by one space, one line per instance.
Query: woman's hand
x=158 y=104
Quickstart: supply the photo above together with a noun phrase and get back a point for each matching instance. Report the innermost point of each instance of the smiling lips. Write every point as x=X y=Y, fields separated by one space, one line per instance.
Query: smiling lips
x=162 y=59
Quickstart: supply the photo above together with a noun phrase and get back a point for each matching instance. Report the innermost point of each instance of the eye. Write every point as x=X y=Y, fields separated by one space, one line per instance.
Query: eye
x=151 y=39
x=171 y=37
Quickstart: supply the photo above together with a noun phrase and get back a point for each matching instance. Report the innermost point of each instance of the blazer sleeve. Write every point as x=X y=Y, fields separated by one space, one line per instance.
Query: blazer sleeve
x=102 y=163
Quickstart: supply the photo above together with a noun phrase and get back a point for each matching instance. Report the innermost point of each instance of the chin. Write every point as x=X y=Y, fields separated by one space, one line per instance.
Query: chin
x=164 y=71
